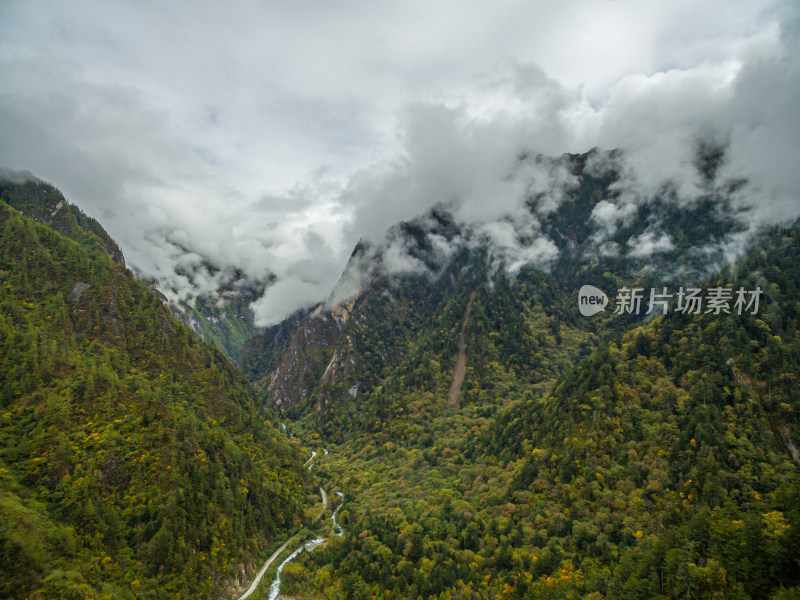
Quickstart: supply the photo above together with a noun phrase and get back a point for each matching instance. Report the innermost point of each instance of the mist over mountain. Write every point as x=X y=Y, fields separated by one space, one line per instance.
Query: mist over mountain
x=439 y=351
x=283 y=175
x=497 y=443
x=592 y=234
x=574 y=206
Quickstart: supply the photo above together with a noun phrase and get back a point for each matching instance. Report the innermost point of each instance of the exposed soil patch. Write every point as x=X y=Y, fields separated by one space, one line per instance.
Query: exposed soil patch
x=461 y=359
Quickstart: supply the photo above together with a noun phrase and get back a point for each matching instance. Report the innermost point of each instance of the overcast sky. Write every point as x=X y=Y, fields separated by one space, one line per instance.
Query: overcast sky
x=272 y=135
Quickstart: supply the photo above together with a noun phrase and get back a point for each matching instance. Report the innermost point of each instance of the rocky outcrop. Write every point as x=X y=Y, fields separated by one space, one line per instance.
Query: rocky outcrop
x=304 y=361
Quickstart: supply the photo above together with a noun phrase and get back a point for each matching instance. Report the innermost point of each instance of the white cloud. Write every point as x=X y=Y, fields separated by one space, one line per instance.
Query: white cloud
x=269 y=137
x=397 y=260
x=284 y=297
x=508 y=248
x=650 y=243
x=609 y=216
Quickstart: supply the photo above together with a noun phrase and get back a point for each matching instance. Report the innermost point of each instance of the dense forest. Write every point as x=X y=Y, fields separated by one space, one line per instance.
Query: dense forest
x=648 y=459
x=134 y=462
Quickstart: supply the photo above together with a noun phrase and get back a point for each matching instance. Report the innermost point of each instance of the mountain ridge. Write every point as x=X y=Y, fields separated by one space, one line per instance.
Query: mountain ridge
x=618 y=456
x=134 y=461
x=224 y=319
x=657 y=463
x=569 y=241
x=43 y=202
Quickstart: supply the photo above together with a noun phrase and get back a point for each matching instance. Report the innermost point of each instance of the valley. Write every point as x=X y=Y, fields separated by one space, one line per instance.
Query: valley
x=400 y=300
x=303 y=545
x=486 y=440
x=586 y=458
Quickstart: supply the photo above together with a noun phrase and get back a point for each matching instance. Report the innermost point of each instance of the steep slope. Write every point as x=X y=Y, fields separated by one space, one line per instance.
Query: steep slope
x=340 y=349
x=659 y=466
x=689 y=422
x=133 y=461
x=42 y=202
x=526 y=270
x=224 y=320
x=612 y=456
x=453 y=396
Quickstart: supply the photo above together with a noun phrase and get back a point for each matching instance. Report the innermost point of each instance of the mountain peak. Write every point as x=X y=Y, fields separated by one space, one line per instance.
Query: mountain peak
x=43 y=202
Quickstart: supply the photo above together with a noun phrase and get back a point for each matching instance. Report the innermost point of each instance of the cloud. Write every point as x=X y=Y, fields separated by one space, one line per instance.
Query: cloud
x=17 y=177
x=509 y=249
x=283 y=298
x=649 y=243
x=764 y=126
x=609 y=215
x=397 y=260
x=211 y=161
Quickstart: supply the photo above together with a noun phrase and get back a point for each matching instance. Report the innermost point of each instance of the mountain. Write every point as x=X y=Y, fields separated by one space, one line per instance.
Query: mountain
x=417 y=282
x=663 y=464
x=495 y=443
x=487 y=440
x=224 y=319
x=42 y=202
x=134 y=462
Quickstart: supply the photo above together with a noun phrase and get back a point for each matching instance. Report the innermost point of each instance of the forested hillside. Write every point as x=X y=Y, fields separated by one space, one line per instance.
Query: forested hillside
x=133 y=460
x=44 y=203
x=651 y=458
x=226 y=322
x=627 y=456
x=311 y=360
x=224 y=319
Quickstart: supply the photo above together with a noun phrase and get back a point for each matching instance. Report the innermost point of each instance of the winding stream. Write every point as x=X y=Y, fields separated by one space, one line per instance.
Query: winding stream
x=263 y=570
x=308 y=462
x=337 y=529
x=275 y=586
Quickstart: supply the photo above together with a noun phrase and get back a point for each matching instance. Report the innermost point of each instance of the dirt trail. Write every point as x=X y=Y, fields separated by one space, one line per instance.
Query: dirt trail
x=461 y=358
x=263 y=570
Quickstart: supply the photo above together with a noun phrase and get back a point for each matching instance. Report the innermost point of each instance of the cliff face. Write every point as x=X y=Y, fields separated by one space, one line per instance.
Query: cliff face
x=304 y=361
x=225 y=321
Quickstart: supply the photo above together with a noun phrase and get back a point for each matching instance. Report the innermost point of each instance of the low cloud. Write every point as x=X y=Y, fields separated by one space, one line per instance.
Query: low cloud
x=284 y=297
x=650 y=243
x=213 y=165
x=608 y=216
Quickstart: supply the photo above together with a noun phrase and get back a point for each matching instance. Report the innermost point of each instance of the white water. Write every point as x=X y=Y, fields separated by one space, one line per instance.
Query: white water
x=308 y=462
x=263 y=570
x=336 y=527
x=275 y=588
